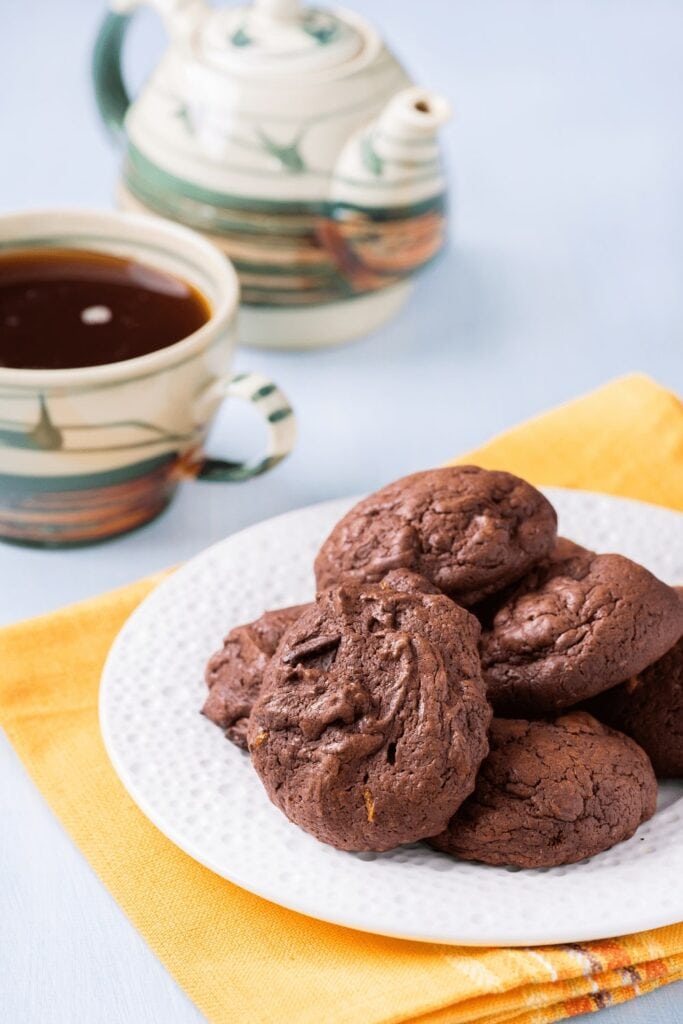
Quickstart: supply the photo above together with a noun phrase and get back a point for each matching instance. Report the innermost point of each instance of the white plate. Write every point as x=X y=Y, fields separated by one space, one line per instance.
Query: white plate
x=202 y=793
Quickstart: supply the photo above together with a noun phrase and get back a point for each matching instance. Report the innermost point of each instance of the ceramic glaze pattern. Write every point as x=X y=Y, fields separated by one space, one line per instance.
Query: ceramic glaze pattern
x=381 y=218
x=202 y=792
x=296 y=257
x=293 y=137
x=307 y=39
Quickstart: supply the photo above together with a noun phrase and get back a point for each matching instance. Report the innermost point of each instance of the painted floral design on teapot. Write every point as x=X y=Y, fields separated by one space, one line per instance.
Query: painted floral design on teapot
x=294 y=138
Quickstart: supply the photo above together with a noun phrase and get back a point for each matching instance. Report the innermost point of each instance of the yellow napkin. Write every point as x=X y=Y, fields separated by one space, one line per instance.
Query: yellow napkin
x=626 y=438
x=243 y=959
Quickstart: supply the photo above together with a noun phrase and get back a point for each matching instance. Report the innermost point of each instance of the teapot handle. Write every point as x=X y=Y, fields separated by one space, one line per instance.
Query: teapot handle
x=180 y=18
x=110 y=91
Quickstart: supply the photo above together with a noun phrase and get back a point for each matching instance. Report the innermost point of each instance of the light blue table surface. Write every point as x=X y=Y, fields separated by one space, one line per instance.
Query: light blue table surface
x=566 y=152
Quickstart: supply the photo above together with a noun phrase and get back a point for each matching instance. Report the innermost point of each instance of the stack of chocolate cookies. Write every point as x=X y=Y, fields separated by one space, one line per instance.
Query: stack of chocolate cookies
x=463 y=677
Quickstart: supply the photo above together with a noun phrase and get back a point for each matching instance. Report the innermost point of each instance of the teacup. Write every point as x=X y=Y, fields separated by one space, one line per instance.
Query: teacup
x=91 y=452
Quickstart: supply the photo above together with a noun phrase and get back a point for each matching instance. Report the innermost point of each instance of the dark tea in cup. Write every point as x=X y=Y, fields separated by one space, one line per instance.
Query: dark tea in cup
x=66 y=308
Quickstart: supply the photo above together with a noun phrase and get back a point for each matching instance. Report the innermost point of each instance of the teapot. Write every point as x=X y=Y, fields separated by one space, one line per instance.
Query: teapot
x=294 y=139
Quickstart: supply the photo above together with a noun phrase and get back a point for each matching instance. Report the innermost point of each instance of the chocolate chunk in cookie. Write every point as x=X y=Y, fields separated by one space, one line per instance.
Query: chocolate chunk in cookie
x=469 y=531
x=235 y=673
x=372 y=718
x=574 y=627
x=649 y=708
x=552 y=793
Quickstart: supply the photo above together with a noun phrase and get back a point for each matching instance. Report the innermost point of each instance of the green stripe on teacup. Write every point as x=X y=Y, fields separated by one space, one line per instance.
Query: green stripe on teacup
x=279 y=414
x=19 y=486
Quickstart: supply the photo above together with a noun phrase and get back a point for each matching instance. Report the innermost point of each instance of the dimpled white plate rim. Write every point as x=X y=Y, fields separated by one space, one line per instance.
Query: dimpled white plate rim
x=202 y=793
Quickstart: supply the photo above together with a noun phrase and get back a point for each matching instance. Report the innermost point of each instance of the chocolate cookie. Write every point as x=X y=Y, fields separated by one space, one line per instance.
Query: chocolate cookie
x=552 y=793
x=563 y=550
x=234 y=674
x=372 y=719
x=470 y=531
x=574 y=627
x=649 y=708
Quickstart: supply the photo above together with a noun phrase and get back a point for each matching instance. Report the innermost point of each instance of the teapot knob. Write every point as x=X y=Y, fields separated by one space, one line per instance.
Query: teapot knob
x=279 y=10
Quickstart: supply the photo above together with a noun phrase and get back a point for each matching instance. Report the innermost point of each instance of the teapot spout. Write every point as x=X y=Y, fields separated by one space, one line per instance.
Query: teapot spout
x=395 y=160
x=414 y=115
x=387 y=210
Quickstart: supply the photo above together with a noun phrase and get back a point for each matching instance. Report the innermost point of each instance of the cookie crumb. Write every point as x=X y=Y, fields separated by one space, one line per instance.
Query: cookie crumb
x=369 y=804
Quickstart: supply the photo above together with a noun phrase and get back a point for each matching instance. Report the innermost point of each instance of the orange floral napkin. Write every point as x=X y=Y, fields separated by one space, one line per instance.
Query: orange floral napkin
x=243 y=959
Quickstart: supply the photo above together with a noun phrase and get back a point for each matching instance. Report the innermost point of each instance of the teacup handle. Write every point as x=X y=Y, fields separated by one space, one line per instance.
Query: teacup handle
x=274 y=407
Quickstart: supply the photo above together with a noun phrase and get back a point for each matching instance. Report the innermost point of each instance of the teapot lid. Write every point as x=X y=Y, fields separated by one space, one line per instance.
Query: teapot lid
x=279 y=37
